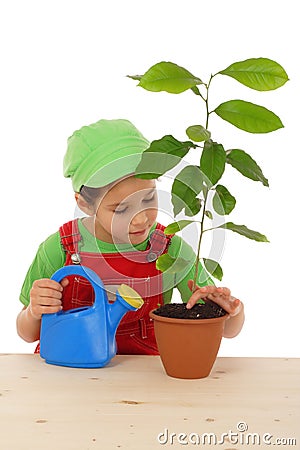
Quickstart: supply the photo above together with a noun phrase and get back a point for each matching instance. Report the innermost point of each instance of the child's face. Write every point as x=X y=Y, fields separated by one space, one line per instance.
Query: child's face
x=127 y=211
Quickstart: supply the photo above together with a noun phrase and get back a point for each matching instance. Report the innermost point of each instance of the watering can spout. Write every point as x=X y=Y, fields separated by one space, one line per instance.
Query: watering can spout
x=127 y=299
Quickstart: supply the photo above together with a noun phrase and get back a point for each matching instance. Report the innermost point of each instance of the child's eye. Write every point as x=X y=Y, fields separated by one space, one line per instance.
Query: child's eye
x=120 y=211
x=147 y=200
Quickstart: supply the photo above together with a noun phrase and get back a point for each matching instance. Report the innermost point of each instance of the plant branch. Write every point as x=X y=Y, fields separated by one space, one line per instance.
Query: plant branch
x=209 y=229
x=206 y=101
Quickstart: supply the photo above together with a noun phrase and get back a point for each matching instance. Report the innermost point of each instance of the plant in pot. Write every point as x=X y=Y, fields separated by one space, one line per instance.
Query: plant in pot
x=197 y=190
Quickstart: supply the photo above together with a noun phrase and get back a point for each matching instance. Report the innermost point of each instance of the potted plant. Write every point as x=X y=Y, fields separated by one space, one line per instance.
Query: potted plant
x=197 y=190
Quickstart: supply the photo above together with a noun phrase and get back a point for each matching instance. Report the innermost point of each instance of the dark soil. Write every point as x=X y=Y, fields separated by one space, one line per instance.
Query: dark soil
x=208 y=310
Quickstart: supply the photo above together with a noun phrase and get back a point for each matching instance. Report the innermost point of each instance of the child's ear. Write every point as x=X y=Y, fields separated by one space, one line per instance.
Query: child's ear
x=82 y=204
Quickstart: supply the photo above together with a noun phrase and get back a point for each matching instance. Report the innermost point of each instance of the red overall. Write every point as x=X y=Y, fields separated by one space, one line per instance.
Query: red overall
x=135 y=334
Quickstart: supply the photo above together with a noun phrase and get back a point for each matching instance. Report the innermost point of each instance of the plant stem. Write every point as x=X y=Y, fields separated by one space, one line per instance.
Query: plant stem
x=205 y=197
x=199 y=242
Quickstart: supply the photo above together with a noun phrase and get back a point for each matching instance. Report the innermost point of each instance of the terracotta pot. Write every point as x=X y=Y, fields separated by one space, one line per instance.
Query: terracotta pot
x=188 y=348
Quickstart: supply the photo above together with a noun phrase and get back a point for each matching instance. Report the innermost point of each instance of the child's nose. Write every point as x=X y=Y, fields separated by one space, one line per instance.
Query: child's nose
x=139 y=218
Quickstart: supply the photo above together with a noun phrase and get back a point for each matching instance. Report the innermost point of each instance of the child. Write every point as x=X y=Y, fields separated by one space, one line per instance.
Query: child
x=119 y=239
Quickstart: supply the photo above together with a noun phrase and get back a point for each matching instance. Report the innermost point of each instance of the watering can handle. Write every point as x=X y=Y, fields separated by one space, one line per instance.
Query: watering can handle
x=84 y=272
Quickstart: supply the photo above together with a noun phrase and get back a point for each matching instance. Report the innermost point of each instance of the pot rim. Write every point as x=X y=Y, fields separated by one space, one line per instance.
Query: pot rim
x=187 y=321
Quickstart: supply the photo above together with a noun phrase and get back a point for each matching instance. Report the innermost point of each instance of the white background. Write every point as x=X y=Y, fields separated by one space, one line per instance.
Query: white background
x=63 y=65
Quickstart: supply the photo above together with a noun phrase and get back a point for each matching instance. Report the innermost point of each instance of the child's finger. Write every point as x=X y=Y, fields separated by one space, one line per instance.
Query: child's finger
x=47 y=283
x=206 y=289
x=231 y=305
x=64 y=282
x=199 y=293
x=49 y=301
x=51 y=293
x=236 y=306
x=224 y=291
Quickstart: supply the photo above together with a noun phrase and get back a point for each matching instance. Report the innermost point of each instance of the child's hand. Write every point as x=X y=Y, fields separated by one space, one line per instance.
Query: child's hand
x=220 y=295
x=45 y=297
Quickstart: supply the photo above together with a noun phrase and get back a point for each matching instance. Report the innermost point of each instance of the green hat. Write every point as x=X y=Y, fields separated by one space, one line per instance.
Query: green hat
x=103 y=152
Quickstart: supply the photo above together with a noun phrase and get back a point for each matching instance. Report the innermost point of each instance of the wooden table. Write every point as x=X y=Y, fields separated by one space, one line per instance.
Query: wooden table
x=133 y=404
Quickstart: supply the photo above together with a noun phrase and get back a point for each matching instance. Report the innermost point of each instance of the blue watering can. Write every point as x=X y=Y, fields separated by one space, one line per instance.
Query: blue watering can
x=85 y=337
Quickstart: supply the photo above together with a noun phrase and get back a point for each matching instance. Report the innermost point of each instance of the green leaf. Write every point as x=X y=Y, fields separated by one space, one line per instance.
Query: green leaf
x=198 y=133
x=196 y=91
x=244 y=231
x=223 y=201
x=162 y=155
x=243 y=162
x=164 y=262
x=169 y=77
x=173 y=265
x=248 y=116
x=212 y=162
x=209 y=214
x=193 y=207
x=170 y=145
x=261 y=74
x=177 y=226
x=186 y=186
x=213 y=268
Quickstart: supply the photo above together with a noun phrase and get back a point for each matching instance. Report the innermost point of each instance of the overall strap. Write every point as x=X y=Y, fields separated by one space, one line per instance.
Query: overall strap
x=158 y=242
x=69 y=238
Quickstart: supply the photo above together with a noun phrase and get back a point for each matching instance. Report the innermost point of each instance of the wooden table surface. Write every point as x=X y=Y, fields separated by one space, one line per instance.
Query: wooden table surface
x=132 y=404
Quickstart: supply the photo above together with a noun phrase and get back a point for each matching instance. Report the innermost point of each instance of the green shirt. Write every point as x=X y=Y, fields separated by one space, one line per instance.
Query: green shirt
x=51 y=256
